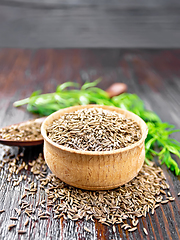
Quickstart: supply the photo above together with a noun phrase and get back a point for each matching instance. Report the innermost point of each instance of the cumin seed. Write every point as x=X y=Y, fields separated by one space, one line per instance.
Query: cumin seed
x=145 y=231
x=11 y=226
x=22 y=231
x=26 y=222
x=87 y=229
x=132 y=229
x=13 y=218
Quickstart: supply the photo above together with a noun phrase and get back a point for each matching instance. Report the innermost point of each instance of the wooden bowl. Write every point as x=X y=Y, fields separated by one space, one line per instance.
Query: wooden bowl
x=94 y=170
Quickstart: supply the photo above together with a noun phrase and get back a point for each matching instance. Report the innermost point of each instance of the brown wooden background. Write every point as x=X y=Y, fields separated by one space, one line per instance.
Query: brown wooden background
x=152 y=74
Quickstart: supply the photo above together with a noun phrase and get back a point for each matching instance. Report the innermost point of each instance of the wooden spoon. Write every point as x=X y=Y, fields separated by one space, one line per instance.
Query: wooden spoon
x=114 y=90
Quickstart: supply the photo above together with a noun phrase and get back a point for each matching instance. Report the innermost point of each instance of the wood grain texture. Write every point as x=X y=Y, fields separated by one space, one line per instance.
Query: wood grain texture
x=122 y=4
x=62 y=24
x=152 y=74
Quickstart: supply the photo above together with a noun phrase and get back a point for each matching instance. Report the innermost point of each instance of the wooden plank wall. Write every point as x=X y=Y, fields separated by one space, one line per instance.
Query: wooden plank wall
x=70 y=24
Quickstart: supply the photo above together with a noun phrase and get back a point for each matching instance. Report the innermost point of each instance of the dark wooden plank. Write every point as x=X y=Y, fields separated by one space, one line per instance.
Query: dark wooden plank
x=68 y=3
x=153 y=75
x=43 y=24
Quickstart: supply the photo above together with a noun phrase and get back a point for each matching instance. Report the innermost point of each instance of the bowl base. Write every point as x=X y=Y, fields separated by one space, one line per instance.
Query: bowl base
x=93 y=188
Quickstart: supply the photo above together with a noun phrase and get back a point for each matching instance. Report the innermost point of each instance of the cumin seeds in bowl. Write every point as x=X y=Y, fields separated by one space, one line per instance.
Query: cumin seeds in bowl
x=94 y=129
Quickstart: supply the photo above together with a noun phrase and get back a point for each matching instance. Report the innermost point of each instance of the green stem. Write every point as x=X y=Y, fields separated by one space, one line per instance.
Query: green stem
x=21 y=102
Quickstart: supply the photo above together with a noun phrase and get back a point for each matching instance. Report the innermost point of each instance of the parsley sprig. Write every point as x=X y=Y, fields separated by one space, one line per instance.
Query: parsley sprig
x=158 y=142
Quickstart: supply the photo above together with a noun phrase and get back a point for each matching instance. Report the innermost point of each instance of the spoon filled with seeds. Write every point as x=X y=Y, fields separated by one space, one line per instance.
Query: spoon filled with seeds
x=26 y=133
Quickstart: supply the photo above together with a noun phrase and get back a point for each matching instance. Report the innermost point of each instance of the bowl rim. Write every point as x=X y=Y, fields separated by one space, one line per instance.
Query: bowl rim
x=142 y=124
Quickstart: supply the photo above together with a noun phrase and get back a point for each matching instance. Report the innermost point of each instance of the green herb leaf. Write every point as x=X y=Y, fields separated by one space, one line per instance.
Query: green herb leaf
x=36 y=93
x=173 y=150
x=63 y=86
x=90 y=84
x=150 y=143
x=150 y=116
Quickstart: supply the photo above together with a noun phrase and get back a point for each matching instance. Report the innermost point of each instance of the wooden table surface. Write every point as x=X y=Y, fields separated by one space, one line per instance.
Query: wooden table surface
x=152 y=74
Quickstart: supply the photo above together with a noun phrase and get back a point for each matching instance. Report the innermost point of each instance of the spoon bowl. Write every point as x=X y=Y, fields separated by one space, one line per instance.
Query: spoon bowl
x=23 y=143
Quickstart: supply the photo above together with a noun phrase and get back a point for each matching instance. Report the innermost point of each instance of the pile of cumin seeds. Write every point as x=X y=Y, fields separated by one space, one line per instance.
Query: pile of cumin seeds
x=94 y=129
x=133 y=200
x=31 y=130
x=130 y=202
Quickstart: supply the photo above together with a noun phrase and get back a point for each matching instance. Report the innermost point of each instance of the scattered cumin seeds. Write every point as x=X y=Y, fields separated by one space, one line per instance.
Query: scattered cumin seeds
x=21 y=231
x=24 y=195
x=165 y=201
x=156 y=206
x=169 y=194
x=171 y=198
x=11 y=226
x=18 y=211
x=162 y=191
x=87 y=229
x=135 y=222
x=178 y=194
x=152 y=212
x=26 y=222
x=130 y=201
x=43 y=201
x=145 y=231
x=127 y=226
x=2 y=210
x=13 y=218
x=43 y=217
x=132 y=229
